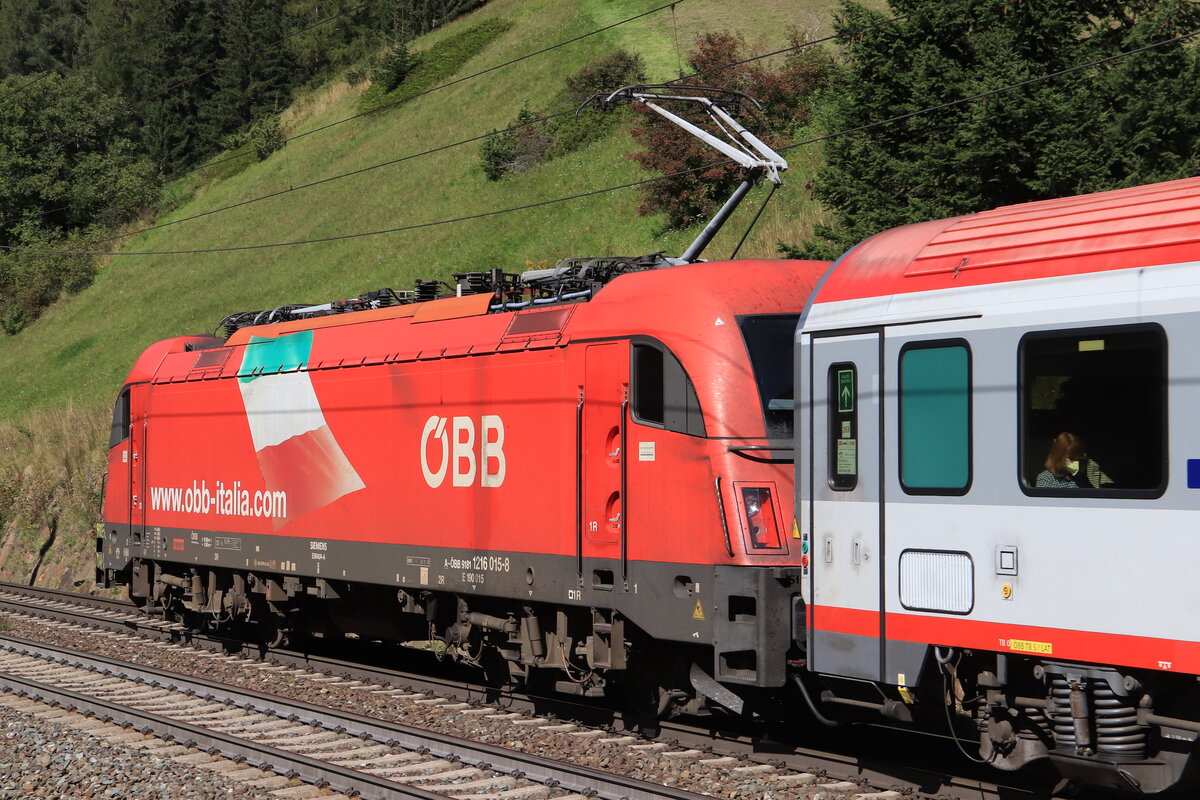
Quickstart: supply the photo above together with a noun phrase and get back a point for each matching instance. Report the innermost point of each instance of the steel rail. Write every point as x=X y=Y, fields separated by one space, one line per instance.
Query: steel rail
x=821 y=757
x=536 y=768
x=310 y=770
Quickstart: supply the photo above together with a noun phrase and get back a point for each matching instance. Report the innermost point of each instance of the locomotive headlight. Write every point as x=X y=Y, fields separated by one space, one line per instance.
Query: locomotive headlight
x=753 y=503
x=759 y=510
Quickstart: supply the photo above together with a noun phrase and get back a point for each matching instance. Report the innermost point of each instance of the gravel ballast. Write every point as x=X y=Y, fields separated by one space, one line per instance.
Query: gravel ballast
x=39 y=758
x=625 y=755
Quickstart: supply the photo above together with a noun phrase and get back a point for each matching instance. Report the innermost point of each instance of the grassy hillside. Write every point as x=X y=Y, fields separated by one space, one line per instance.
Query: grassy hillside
x=77 y=354
x=81 y=349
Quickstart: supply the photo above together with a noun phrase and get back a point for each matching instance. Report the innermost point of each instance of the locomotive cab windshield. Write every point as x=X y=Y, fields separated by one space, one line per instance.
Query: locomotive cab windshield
x=120 y=420
x=770 y=342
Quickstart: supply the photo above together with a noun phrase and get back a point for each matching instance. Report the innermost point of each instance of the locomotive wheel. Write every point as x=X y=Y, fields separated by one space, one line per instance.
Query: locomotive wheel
x=273 y=633
x=649 y=704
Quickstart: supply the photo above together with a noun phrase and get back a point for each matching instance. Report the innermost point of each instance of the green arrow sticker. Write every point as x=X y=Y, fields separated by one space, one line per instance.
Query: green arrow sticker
x=845 y=383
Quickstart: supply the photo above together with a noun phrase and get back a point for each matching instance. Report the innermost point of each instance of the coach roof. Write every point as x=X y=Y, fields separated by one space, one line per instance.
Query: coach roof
x=1136 y=227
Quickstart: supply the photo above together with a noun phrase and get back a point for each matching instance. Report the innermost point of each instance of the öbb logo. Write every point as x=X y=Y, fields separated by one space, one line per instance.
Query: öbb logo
x=458 y=451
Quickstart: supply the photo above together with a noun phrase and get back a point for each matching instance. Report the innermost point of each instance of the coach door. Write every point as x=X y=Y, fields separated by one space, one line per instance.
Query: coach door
x=847 y=538
x=603 y=414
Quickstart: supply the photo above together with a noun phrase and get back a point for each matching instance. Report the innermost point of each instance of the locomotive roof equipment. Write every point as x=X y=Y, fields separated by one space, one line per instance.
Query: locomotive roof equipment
x=576 y=279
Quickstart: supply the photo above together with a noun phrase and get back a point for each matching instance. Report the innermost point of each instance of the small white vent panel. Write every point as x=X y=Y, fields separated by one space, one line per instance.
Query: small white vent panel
x=937 y=580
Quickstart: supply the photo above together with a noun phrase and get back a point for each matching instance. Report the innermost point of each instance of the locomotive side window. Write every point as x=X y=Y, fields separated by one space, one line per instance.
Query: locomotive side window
x=662 y=392
x=1093 y=412
x=770 y=341
x=120 y=419
x=843 y=427
x=935 y=418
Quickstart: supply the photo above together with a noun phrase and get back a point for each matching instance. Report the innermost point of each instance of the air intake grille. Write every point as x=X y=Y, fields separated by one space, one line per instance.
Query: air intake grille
x=937 y=580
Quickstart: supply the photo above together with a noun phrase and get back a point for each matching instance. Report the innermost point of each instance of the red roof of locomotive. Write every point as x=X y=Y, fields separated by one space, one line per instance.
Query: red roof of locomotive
x=692 y=309
x=1136 y=227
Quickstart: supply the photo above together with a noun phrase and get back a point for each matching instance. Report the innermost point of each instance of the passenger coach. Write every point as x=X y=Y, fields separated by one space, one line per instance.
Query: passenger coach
x=999 y=480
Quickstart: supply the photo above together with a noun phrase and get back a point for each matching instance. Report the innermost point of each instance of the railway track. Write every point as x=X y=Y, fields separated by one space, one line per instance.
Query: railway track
x=782 y=766
x=348 y=752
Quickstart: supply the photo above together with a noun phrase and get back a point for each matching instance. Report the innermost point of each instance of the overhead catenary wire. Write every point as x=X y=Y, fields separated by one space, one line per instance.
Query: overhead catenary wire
x=469 y=140
x=448 y=84
x=331 y=178
x=801 y=46
x=631 y=184
x=440 y=148
x=33 y=214
x=326 y=127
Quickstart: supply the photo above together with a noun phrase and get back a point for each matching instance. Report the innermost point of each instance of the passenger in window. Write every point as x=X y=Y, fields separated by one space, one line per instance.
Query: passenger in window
x=1068 y=466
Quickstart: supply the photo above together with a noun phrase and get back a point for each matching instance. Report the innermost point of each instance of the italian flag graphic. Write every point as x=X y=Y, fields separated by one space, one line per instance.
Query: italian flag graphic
x=296 y=450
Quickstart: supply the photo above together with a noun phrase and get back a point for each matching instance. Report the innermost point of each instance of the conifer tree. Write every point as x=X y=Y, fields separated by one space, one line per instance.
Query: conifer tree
x=38 y=35
x=254 y=71
x=1130 y=121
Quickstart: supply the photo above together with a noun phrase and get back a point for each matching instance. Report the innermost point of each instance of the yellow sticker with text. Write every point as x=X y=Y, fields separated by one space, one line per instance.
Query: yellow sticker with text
x=699 y=612
x=1022 y=646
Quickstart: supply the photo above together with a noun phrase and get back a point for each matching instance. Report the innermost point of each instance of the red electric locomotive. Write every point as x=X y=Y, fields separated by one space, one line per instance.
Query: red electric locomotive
x=582 y=473
x=579 y=487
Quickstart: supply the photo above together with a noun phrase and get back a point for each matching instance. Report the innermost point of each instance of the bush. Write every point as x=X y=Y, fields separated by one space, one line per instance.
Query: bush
x=606 y=75
x=266 y=136
x=495 y=153
x=31 y=280
x=523 y=145
x=518 y=148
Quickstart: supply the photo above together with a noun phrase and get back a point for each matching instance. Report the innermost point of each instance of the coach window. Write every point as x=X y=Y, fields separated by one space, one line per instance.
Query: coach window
x=935 y=417
x=663 y=394
x=120 y=419
x=1106 y=388
x=843 y=427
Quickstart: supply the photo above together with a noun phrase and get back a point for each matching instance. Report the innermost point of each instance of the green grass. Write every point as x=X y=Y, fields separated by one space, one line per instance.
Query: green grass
x=82 y=348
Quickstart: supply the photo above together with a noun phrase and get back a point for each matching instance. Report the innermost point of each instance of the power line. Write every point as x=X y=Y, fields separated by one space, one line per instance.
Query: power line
x=645 y=181
x=439 y=87
x=326 y=127
x=822 y=40
x=440 y=148
x=454 y=144
x=33 y=214
x=999 y=90
x=96 y=49
x=332 y=178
